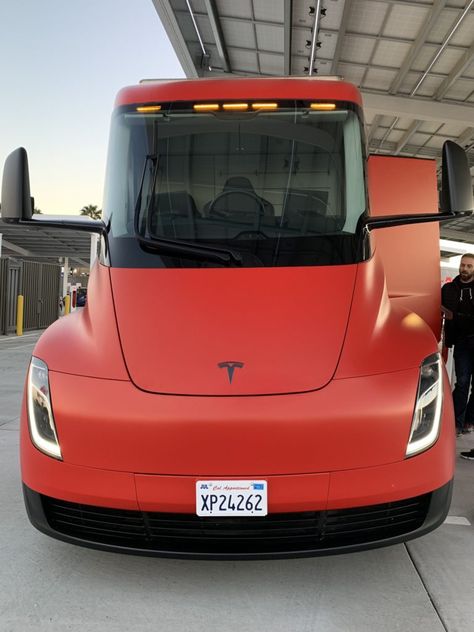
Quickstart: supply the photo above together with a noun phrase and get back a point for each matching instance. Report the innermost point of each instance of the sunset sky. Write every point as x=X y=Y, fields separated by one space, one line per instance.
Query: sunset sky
x=61 y=65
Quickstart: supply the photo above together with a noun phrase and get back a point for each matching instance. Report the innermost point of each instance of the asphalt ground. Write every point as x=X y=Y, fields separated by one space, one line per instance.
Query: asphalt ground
x=426 y=585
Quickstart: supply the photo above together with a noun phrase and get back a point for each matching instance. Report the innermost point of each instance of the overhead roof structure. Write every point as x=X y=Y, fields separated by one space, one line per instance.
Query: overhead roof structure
x=413 y=61
x=40 y=243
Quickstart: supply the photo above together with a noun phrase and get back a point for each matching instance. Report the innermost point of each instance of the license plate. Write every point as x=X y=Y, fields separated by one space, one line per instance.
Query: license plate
x=231 y=498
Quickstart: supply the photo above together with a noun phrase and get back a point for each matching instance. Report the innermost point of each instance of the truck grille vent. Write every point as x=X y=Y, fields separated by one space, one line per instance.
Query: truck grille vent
x=275 y=533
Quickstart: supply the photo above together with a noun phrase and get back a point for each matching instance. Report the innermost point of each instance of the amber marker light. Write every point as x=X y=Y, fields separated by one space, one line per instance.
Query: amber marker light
x=235 y=106
x=206 y=107
x=147 y=109
x=324 y=107
x=264 y=106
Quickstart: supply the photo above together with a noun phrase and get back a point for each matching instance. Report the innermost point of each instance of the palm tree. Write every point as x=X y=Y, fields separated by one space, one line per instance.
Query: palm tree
x=92 y=211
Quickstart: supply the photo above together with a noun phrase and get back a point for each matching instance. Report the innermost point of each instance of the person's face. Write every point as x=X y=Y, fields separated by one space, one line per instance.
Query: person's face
x=466 y=269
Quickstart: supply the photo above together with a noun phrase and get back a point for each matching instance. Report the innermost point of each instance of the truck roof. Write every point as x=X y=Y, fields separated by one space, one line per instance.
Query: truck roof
x=304 y=88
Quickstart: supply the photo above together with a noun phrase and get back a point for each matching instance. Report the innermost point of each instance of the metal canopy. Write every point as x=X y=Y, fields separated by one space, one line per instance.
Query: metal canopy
x=413 y=60
x=42 y=243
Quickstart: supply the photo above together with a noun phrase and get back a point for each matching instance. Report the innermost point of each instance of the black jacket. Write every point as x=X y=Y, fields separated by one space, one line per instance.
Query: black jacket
x=458 y=297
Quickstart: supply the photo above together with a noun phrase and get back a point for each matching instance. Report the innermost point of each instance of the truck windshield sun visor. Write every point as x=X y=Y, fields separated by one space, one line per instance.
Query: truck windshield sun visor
x=267 y=188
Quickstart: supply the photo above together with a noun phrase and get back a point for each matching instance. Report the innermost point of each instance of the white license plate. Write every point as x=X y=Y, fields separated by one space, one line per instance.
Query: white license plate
x=231 y=498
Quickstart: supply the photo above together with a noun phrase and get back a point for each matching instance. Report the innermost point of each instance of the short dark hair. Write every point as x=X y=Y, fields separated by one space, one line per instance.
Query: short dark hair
x=468 y=254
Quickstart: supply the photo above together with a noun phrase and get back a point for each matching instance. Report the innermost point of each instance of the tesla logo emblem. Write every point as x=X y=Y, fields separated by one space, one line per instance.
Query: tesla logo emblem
x=230 y=366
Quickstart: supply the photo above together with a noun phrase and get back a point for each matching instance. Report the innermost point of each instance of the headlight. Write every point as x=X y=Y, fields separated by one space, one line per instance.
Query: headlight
x=40 y=413
x=429 y=403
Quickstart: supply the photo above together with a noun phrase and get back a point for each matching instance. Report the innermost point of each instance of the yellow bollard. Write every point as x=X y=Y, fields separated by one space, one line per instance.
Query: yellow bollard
x=67 y=304
x=19 y=315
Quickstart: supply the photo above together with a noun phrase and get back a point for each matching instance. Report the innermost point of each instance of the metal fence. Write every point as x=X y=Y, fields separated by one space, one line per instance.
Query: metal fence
x=39 y=283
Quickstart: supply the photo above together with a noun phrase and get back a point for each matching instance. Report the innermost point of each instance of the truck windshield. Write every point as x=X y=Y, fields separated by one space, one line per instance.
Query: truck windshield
x=274 y=188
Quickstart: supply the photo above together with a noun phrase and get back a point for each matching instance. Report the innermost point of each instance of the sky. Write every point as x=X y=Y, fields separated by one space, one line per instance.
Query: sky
x=61 y=64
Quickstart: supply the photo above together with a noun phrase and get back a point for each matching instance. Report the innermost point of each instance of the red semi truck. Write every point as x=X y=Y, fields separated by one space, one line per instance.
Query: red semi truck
x=256 y=371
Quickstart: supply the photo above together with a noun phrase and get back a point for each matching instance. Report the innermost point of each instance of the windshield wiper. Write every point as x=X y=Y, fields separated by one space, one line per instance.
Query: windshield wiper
x=183 y=249
x=138 y=203
x=188 y=250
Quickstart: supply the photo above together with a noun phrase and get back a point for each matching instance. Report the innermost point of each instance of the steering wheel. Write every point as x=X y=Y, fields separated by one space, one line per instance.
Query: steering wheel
x=217 y=213
x=243 y=233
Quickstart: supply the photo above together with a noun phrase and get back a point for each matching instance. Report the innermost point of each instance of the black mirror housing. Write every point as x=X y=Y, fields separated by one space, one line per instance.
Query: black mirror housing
x=17 y=204
x=456 y=185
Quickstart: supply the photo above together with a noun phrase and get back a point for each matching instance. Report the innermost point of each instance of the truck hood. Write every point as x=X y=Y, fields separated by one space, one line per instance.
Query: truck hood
x=221 y=331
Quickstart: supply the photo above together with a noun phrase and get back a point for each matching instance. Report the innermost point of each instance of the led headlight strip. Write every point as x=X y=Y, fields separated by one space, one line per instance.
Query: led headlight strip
x=428 y=407
x=40 y=412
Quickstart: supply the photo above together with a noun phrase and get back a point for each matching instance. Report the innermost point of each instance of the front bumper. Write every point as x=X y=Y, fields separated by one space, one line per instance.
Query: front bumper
x=336 y=483
x=310 y=514
x=299 y=534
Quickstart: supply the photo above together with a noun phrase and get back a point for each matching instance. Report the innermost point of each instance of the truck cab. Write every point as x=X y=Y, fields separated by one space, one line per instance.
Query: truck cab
x=260 y=365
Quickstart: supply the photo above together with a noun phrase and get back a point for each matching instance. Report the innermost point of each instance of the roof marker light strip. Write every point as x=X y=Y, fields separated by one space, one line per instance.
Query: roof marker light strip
x=144 y=109
x=324 y=107
x=206 y=107
x=264 y=106
x=214 y=107
x=235 y=106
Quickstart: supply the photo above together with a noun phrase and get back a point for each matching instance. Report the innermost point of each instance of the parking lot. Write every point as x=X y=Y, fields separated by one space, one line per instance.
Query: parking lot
x=48 y=585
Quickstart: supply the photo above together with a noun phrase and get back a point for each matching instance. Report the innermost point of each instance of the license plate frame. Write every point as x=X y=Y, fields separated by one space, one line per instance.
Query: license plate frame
x=231 y=498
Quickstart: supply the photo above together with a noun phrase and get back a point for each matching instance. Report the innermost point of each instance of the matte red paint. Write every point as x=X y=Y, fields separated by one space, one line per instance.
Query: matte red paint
x=200 y=91
x=398 y=186
x=348 y=361
x=368 y=405
x=302 y=433
x=286 y=324
x=298 y=492
x=382 y=336
x=87 y=342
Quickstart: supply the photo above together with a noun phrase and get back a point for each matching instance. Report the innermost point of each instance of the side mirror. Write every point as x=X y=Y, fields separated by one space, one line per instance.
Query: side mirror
x=17 y=205
x=456 y=185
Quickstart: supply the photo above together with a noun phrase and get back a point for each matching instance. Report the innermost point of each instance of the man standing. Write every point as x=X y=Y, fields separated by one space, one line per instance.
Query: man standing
x=457 y=299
